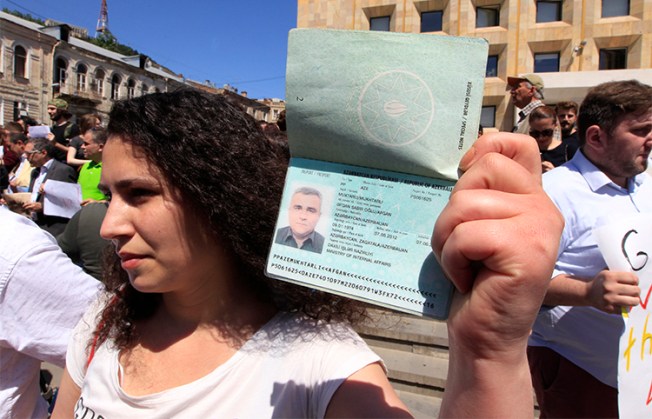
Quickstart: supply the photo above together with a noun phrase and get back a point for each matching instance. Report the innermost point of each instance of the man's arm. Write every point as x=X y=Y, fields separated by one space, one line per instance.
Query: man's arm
x=607 y=291
x=43 y=283
x=497 y=241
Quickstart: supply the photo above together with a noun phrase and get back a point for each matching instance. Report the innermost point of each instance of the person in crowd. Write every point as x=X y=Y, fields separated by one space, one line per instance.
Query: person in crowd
x=189 y=289
x=567 y=115
x=9 y=159
x=26 y=121
x=573 y=349
x=4 y=177
x=90 y=173
x=526 y=91
x=42 y=297
x=303 y=214
x=4 y=145
x=75 y=156
x=62 y=129
x=39 y=152
x=20 y=177
x=81 y=239
x=282 y=122
x=543 y=126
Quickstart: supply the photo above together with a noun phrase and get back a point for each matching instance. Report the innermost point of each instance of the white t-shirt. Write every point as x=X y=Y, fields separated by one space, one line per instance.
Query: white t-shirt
x=42 y=296
x=290 y=368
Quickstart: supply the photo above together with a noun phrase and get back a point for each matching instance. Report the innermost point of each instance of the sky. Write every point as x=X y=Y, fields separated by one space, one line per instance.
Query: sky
x=239 y=42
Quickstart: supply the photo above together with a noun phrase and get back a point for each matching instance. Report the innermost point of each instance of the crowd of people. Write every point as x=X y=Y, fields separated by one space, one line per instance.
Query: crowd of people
x=161 y=306
x=600 y=162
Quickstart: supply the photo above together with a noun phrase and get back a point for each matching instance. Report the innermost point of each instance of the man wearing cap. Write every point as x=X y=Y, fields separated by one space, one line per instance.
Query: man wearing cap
x=526 y=91
x=62 y=129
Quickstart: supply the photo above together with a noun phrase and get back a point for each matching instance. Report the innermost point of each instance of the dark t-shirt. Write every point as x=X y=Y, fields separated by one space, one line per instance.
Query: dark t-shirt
x=557 y=156
x=62 y=134
x=573 y=143
x=77 y=143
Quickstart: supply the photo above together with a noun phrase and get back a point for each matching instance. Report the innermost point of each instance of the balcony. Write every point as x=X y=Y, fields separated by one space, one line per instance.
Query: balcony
x=74 y=91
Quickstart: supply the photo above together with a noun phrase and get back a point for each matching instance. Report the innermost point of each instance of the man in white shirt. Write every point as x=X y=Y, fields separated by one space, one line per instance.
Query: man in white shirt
x=573 y=349
x=42 y=297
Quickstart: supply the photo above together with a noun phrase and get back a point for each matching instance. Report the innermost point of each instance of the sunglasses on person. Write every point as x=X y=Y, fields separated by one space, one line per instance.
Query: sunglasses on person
x=543 y=133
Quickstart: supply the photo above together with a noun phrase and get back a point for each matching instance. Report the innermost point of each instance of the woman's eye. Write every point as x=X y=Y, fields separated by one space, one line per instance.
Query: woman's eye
x=139 y=194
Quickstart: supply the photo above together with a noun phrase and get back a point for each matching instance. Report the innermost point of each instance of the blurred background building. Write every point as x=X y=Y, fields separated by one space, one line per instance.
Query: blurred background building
x=571 y=44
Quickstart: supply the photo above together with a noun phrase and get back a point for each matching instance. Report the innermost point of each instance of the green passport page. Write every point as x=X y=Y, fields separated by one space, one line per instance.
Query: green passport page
x=377 y=123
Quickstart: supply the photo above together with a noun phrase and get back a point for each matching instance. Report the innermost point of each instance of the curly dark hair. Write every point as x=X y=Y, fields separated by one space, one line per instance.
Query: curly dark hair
x=227 y=172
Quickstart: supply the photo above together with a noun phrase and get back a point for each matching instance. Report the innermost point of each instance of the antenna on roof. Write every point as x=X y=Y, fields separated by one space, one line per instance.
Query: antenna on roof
x=103 y=20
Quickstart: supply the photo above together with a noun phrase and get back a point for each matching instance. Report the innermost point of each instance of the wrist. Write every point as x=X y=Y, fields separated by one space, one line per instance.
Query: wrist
x=477 y=385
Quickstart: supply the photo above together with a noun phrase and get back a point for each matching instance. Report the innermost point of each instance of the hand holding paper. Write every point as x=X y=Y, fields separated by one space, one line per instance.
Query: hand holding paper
x=380 y=136
x=62 y=199
x=610 y=291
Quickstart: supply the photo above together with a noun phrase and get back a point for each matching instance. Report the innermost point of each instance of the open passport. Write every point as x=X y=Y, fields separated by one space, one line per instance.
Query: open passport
x=377 y=123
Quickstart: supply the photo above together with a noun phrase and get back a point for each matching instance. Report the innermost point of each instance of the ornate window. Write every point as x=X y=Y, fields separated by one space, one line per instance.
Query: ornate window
x=115 y=87
x=20 y=62
x=82 y=70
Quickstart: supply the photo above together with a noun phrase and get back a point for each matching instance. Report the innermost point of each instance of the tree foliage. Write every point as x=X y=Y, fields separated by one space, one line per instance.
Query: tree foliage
x=106 y=40
x=25 y=16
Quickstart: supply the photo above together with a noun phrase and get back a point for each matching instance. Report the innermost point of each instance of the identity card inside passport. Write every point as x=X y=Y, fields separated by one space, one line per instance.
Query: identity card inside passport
x=377 y=123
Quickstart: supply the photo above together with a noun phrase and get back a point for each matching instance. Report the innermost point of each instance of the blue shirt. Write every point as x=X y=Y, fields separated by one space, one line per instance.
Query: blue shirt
x=587 y=198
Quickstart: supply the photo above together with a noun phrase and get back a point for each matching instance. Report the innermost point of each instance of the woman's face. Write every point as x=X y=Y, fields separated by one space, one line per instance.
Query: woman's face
x=543 y=131
x=161 y=245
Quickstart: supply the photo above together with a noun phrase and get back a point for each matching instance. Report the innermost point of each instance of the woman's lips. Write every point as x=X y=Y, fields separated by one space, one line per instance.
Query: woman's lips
x=130 y=260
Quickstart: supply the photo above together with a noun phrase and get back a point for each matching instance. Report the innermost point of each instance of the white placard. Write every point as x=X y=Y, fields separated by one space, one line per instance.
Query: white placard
x=627 y=246
x=62 y=199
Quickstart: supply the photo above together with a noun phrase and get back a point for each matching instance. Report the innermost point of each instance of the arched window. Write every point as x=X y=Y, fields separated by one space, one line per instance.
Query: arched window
x=20 y=62
x=144 y=89
x=115 y=87
x=131 y=88
x=81 y=77
x=99 y=81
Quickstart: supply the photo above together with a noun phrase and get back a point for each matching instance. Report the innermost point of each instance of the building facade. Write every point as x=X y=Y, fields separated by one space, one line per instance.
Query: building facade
x=25 y=69
x=572 y=44
x=41 y=62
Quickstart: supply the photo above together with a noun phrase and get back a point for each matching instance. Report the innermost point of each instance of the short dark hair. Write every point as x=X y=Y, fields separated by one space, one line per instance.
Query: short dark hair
x=566 y=105
x=99 y=135
x=14 y=137
x=606 y=103
x=14 y=127
x=227 y=173
x=542 y=112
x=43 y=144
x=28 y=120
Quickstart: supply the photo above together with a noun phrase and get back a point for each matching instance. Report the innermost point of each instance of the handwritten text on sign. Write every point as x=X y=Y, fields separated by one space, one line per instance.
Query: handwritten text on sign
x=627 y=246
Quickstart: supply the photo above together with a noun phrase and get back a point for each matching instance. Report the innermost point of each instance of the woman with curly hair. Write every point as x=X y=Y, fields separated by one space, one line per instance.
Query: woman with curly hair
x=189 y=324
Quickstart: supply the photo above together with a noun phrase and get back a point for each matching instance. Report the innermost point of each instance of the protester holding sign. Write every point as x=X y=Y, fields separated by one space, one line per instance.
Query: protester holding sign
x=574 y=345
